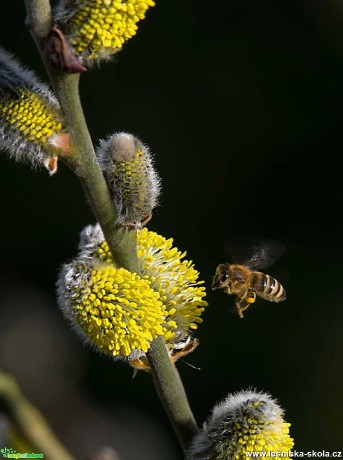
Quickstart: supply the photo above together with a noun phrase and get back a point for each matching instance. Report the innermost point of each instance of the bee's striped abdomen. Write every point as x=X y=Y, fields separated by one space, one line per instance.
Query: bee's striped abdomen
x=268 y=287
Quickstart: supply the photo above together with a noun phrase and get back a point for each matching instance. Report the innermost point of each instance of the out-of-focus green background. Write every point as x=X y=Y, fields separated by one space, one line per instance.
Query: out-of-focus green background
x=241 y=102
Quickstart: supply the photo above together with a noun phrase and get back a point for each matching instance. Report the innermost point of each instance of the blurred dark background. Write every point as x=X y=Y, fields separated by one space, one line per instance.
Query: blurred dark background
x=241 y=103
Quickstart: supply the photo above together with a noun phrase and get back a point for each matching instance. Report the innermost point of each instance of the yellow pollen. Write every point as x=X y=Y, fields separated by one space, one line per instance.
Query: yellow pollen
x=31 y=116
x=174 y=279
x=100 y=27
x=129 y=319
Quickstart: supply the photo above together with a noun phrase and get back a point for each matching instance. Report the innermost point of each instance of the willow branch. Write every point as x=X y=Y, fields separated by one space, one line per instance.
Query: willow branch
x=172 y=394
x=82 y=160
x=28 y=420
x=121 y=241
x=38 y=19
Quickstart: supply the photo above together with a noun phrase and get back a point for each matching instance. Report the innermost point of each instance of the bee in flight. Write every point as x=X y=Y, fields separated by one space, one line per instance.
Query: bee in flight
x=246 y=283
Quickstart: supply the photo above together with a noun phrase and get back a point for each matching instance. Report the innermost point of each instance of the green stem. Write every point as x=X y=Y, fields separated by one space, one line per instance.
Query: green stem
x=38 y=19
x=171 y=391
x=122 y=242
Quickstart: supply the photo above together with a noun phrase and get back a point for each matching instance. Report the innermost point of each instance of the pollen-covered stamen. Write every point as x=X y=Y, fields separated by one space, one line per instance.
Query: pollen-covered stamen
x=96 y=29
x=30 y=116
x=116 y=310
x=175 y=280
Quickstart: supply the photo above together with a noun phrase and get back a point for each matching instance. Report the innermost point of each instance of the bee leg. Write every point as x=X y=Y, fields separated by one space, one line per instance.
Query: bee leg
x=243 y=302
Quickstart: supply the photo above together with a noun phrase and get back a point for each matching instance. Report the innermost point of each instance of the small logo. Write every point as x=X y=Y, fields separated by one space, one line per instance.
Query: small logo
x=5 y=451
x=8 y=452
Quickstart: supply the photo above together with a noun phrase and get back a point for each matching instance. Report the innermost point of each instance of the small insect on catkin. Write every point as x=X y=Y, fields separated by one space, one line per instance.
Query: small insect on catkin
x=132 y=180
x=31 y=127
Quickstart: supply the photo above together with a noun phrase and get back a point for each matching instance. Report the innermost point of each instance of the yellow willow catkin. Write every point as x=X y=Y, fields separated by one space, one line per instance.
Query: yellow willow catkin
x=244 y=422
x=114 y=310
x=163 y=265
x=131 y=177
x=119 y=312
x=30 y=118
x=96 y=29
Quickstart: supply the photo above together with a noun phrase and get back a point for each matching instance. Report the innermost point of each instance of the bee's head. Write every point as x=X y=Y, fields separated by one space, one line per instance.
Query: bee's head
x=221 y=277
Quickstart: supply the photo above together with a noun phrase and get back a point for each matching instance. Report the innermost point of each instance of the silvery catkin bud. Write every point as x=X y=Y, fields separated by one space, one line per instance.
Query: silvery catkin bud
x=132 y=180
x=31 y=126
x=244 y=422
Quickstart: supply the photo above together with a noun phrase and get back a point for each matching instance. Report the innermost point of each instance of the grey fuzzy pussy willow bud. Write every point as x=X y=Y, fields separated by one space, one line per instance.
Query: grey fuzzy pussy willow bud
x=132 y=180
x=248 y=421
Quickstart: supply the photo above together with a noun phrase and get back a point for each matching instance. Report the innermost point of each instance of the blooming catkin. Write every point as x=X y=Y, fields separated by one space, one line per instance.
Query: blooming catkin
x=163 y=265
x=97 y=29
x=244 y=422
x=119 y=312
x=112 y=309
x=131 y=177
x=31 y=126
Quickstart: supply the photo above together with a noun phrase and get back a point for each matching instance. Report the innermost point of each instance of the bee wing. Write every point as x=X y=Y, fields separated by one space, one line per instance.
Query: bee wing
x=255 y=253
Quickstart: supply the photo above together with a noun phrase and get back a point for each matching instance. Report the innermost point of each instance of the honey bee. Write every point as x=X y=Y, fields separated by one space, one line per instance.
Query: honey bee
x=246 y=283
